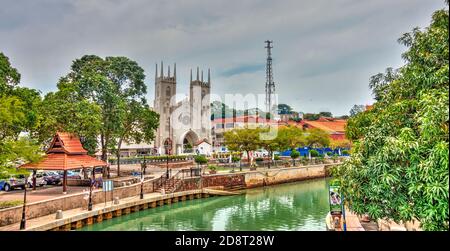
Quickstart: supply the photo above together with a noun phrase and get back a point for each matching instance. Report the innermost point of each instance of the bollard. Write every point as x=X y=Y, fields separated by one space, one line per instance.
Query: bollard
x=163 y=191
x=116 y=200
x=59 y=214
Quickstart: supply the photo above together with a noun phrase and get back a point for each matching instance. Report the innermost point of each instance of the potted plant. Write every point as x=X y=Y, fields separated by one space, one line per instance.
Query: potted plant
x=212 y=169
x=334 y=158
x=200 y=160
x=314 y=154
x=235 y=159
x=294 y=155
x=253 y=167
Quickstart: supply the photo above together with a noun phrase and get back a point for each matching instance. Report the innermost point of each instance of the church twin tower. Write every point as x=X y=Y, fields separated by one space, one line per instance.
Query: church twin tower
x=181 y=124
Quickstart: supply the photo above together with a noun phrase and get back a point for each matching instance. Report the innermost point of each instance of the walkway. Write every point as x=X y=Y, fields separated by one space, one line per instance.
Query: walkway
x=49 y=221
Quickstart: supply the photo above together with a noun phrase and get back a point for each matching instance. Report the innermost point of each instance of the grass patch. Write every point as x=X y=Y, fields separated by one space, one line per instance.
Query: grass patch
x=10 y=203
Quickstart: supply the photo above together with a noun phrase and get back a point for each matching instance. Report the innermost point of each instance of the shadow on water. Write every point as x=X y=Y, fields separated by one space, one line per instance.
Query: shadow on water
x=294 y=206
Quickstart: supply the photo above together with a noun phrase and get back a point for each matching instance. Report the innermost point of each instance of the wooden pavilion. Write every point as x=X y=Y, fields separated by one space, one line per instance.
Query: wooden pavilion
x=65 y=153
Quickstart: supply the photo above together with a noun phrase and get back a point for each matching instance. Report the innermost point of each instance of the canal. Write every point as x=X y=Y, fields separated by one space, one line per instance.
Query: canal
x=293 y=206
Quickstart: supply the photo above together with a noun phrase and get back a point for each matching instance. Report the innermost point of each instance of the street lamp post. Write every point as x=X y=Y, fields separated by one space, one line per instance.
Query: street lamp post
x=167 y=166
x=23 y=220
x=143 y=167
x=90 y=189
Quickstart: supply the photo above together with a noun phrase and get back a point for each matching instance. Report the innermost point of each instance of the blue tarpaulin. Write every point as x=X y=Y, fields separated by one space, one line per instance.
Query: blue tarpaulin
x=304 y=151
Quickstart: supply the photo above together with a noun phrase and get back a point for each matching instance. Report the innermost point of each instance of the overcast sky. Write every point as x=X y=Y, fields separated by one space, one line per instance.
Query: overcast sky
x=324 y=51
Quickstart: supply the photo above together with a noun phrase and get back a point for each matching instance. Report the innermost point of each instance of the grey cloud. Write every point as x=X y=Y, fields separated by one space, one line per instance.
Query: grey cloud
x=324 y=51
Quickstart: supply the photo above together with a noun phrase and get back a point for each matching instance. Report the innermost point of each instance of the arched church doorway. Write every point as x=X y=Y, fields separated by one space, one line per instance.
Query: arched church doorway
x=189 y=141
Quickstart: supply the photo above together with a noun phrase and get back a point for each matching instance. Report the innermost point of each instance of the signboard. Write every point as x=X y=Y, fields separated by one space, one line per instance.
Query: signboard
x=335 y=200
x=108 y=185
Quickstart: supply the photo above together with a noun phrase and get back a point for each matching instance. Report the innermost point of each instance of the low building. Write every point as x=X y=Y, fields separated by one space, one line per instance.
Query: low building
x=221 y=125
x=204 y=147
x=335 y=127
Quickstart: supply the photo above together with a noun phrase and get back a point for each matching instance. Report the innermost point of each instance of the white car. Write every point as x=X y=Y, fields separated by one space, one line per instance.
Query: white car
x=40 y=181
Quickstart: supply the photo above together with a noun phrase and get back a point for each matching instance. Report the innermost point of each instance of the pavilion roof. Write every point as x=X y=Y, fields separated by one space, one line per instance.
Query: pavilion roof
x=65 y=153
x=66 y=142
x=63 y=161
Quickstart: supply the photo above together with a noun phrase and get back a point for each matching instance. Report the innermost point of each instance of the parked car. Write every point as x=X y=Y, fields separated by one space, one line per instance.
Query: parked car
x=15 y=181
x=52 y=177
x=40 y=179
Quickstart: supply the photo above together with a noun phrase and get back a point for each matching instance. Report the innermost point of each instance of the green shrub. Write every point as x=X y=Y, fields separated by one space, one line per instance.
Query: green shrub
x=235 y=159
x=200 y=159
x=345 y=152
x=212 y=167
x=10 y=203
x=295 y=154
x=314 y=153
x=276 y=157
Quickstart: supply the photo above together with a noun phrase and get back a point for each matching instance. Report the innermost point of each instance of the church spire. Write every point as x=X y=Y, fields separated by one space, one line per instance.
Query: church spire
x=209 y=76
x=156 y=72
x=202 y=75
x=191 y=75
x=162 y=68
x=175 y=71
x=197 y=74
x=168 y=71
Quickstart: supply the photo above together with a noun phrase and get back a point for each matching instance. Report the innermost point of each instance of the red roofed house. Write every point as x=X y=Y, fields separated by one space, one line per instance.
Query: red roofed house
x=65 y=153
x=221 y=125
x=335 y=127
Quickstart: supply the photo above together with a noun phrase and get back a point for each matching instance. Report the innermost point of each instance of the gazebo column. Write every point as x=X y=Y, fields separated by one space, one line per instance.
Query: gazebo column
x=34 y=179
x=65 y=182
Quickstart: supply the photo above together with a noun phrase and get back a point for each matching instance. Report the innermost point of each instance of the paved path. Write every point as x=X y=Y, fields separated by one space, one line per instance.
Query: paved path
x=37 y=222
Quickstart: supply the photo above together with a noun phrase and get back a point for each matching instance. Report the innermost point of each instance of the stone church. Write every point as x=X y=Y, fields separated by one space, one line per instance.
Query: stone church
x=185 y=124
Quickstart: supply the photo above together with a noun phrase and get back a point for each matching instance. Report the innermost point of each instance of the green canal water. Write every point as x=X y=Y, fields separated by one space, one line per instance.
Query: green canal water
x=294 y=206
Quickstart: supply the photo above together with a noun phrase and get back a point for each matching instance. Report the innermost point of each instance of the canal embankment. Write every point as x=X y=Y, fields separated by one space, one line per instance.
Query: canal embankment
x=224 y=181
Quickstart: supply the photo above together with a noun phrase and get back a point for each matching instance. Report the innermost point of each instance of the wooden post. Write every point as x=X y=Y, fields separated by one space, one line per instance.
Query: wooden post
x=34 y=179
x=65 y=182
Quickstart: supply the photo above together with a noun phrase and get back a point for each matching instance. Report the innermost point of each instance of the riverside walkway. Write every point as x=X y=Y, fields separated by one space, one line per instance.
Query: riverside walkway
x=79 y=217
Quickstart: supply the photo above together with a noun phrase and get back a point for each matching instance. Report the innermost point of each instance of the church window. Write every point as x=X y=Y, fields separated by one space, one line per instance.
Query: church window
x=168 y=91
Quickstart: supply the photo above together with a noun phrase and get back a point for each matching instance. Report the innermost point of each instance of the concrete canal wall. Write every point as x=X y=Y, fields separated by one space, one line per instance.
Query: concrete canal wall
x=45 y=207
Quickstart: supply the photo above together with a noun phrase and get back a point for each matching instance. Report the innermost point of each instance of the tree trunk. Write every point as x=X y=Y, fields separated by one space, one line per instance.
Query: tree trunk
x=104 y=154
x=270 y=158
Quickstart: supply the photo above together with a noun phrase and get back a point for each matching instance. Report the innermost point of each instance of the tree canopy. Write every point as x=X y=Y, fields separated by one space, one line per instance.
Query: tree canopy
x=17 y=114
x=399 y=165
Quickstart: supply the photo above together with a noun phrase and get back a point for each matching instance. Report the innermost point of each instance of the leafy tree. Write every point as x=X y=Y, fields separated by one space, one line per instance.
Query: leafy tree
x=9 y=76
x=16 y=116
x=311 y=116
x=326 y=114
x=271 y=145
x=111 y=84
x=294 y=155
x=66 y=111
x=290 y=137
x=284 y=109
x=314 y=153
x=138 y=125
x=317 y=138
x=357 y=109
x=244 y=139
x=399 y=163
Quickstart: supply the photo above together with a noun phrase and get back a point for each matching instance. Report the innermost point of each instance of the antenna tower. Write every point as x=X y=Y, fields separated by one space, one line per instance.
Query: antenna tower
x=270 y=85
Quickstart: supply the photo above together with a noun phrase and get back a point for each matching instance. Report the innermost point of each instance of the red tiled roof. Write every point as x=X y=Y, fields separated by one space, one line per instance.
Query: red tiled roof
x=69 y=143
x=201 y=141
x=65 y=153
x=63 y=161
x=335 y=126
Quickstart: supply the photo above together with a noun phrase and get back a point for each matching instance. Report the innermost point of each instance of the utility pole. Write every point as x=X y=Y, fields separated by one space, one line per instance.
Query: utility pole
x=270 y=85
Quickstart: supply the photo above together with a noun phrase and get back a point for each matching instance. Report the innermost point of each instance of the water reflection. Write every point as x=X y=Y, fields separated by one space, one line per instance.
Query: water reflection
x=295 y=206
